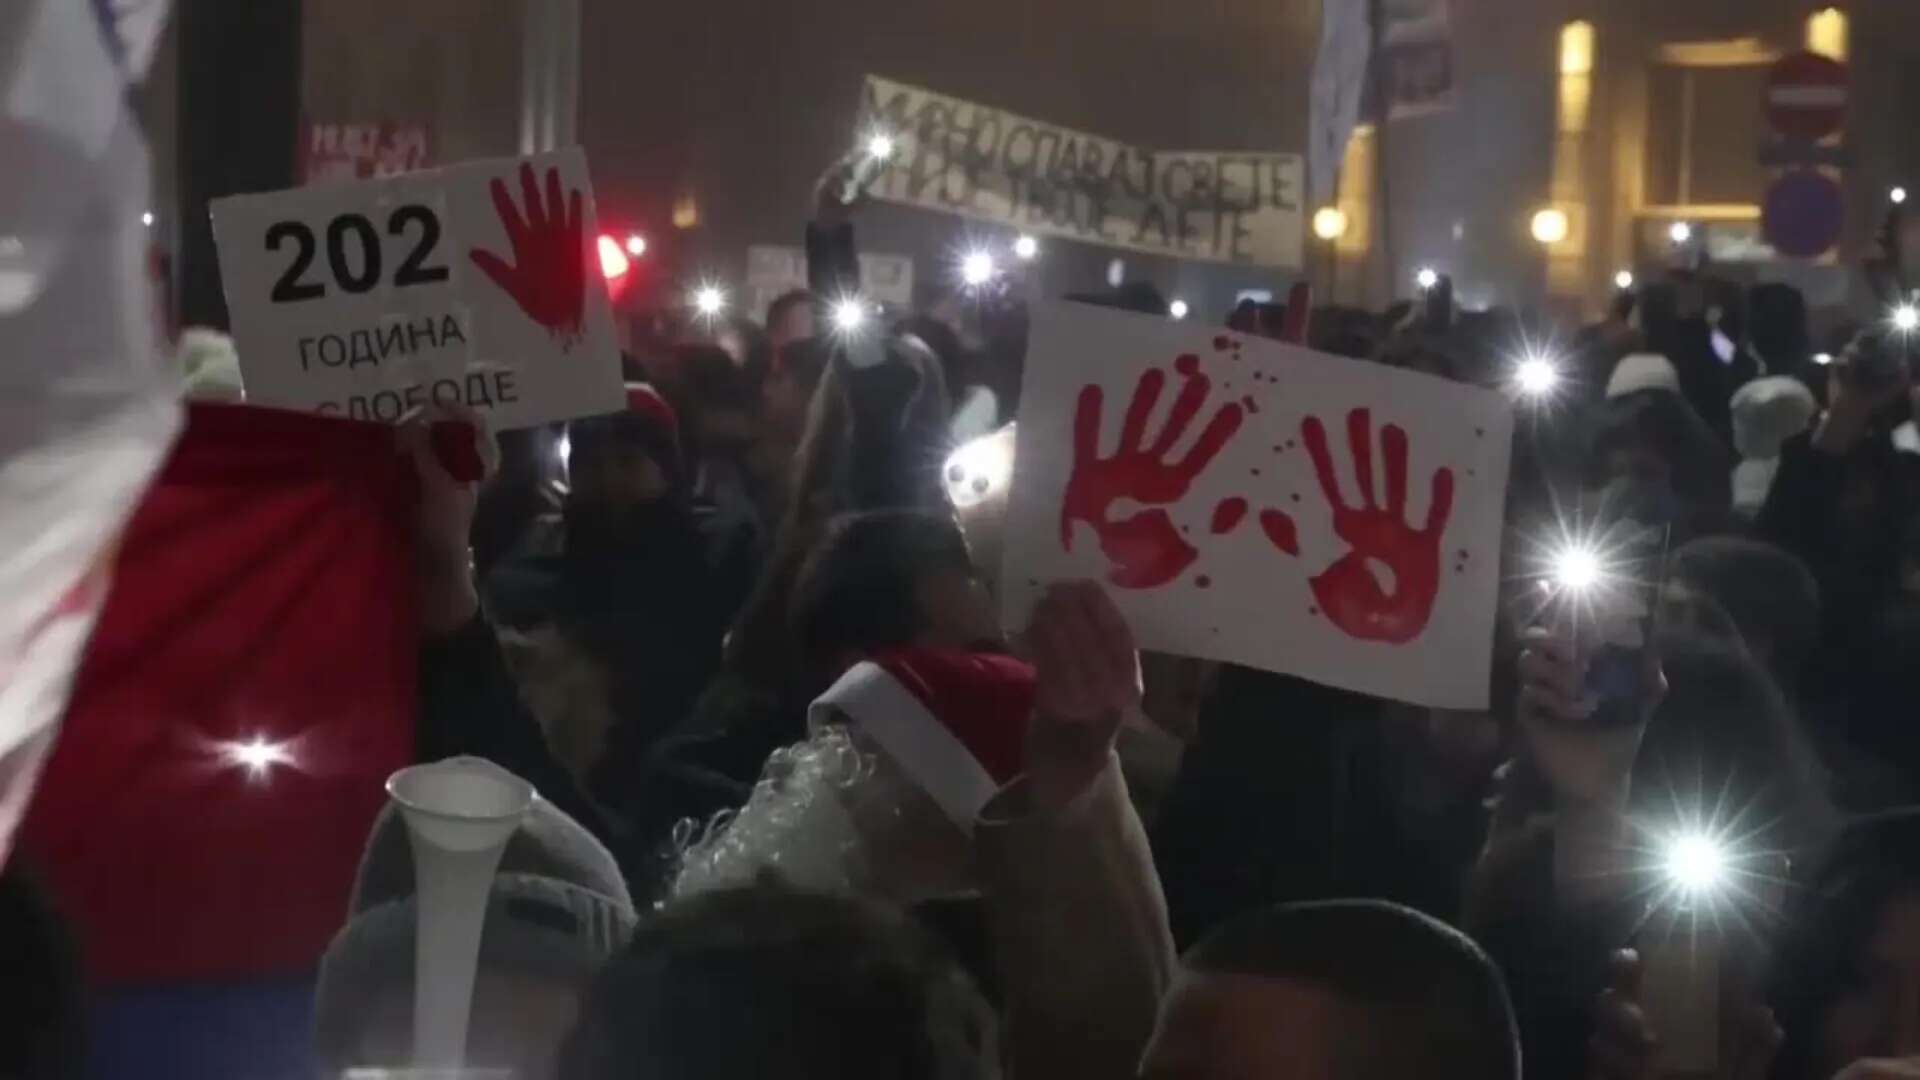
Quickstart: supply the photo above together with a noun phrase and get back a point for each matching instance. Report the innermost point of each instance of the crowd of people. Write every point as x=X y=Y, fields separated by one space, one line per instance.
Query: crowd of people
x=809 y=811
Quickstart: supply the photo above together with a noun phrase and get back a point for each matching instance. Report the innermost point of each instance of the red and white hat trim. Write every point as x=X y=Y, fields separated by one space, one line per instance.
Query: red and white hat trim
x=961 y=755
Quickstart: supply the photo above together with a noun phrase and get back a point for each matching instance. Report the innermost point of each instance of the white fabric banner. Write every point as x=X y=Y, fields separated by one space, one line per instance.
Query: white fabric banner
x=979 y=162
x=1259 y=503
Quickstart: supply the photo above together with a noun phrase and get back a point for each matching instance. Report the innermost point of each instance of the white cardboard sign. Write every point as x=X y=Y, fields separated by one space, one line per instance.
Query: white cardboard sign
x=1260 y=503
x=478 y=284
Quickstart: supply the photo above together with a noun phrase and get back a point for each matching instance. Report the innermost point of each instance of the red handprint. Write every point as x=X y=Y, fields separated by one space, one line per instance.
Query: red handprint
x=1348 y=592
x=1145 y=549
x=548 y=275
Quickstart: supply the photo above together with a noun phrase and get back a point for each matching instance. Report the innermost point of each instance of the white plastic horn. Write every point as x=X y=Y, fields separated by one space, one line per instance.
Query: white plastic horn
x=459 y=814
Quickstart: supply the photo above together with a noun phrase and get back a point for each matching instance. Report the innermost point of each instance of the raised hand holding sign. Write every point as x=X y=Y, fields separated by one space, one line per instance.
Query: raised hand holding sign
x=1251 y=538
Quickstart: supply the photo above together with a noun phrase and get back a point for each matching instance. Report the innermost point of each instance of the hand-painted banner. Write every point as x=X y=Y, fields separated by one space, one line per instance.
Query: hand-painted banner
x=477 y=284
x=1256 y=502
x=979 y=162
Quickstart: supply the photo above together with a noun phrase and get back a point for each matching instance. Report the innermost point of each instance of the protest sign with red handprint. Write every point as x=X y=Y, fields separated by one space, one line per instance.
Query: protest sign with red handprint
x=1145 y=548
x=1381 y=543
x=1235 y=529
x=547 y=276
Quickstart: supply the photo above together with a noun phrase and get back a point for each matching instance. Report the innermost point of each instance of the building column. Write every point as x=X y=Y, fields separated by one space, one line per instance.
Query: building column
x=237 y=126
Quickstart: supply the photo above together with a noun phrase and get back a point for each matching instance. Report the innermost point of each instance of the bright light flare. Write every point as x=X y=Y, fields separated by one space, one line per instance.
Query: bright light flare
x=1178 y=309
x=613 y=261
x=1906 y=318
x=979 y=469
x=1026 y=249
x=258 y=755
x=1623 y=280
x=977 y=268
x=636 y=245
x=1329 y=223
x=1897 y=195
x=147 y=219
x=1695 y=863
x=1426 y=277
x=1680 y=232
x=1823 y=358
x=1536 y=376
x=1578 y=568
x=1550 y=225
x=880 y=146
x=709 y=301
x=849 y=315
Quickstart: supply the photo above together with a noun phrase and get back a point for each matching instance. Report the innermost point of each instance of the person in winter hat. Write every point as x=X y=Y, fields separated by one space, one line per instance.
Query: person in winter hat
x=1766 y=413
x=904 y=750
x=558 y=909
x=1642 y=371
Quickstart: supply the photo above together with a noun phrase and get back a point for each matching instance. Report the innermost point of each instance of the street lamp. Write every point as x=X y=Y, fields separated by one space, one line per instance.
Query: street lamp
x=1550 y=225
x=1329 y=223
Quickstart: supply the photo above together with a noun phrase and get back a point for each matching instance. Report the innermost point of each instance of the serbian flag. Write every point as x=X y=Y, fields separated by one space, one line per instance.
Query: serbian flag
x=247 y=691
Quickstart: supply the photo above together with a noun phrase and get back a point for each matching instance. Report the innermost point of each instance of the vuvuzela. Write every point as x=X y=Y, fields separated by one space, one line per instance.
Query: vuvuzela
x=459 y=814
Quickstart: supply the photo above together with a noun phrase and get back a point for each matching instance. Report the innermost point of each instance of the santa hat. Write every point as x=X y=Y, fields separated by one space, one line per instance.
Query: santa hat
x=1642 y=371
x=644 y=400
x=954 y=722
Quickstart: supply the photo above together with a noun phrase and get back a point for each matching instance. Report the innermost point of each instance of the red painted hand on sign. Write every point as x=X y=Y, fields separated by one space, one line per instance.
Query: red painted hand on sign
x=1146 y=549
x=548 y=275
x=1380 y=539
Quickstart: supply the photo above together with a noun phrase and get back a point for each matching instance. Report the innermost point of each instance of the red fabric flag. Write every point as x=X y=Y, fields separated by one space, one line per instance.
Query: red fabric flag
x=249 y=688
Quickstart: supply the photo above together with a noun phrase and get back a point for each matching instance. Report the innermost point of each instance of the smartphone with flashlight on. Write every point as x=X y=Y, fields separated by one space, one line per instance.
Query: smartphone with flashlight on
x=1703 y=949
x=1602 y=592
x=869 y=161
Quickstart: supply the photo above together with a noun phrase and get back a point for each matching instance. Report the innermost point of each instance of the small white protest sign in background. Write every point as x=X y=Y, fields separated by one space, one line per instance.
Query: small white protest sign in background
x=1259 y=503
x=477 y=284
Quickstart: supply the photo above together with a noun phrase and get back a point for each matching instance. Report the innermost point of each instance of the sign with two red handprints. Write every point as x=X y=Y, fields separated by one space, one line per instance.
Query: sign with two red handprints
x=1255 y=502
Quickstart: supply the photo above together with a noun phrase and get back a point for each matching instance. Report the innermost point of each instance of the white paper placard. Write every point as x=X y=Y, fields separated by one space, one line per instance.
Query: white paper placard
x=478 y=283
x=1200 y=498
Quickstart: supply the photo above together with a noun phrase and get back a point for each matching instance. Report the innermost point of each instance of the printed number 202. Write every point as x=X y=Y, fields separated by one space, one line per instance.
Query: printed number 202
x=361 y=272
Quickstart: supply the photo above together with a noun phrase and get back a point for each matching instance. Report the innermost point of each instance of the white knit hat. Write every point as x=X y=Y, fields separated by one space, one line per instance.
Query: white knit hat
x=1769 y=411
x=1642 y=371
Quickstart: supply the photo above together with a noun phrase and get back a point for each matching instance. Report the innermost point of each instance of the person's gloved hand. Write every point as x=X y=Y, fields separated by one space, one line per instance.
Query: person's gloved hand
x=1087 y=680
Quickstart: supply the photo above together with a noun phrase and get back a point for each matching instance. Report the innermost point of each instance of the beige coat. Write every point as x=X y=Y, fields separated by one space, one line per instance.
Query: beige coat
x=1079 y=931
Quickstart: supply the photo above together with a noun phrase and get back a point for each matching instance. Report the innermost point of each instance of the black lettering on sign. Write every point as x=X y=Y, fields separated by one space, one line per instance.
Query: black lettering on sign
x=411 y=271
x=356 y=273
x=337 y=232
x=290 y=289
